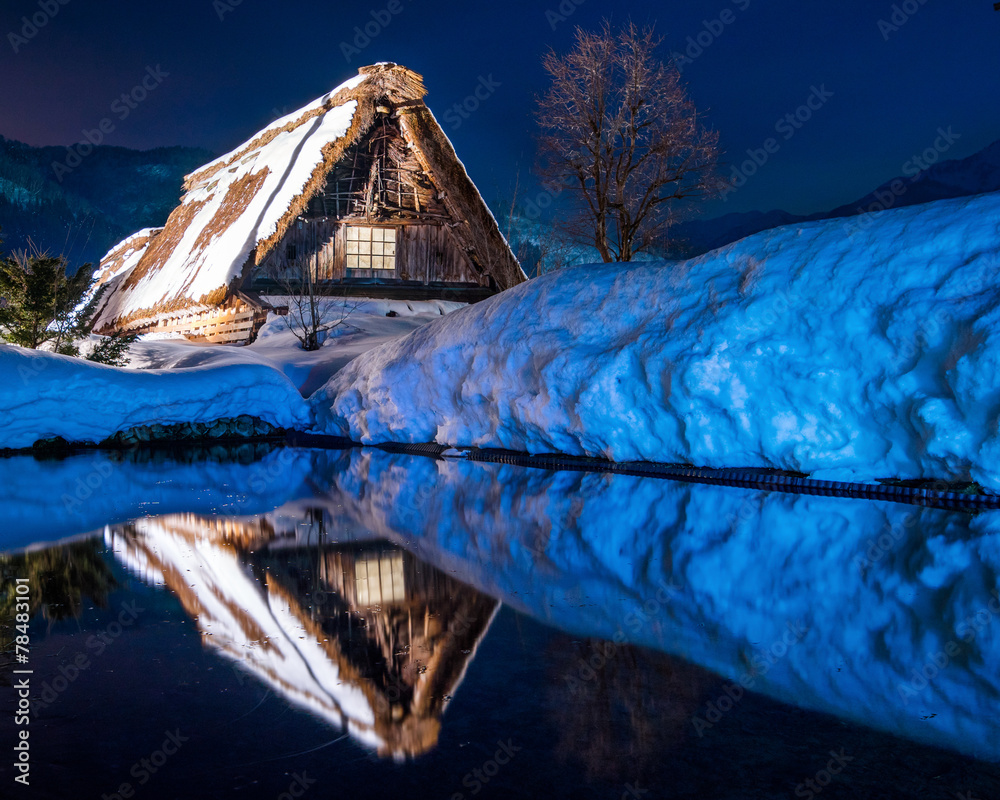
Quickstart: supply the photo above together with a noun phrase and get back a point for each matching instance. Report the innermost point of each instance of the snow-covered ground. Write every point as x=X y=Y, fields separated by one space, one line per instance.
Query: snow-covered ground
x=850 y=358
x=174 y=381
x=846 y=357
x=365 y=325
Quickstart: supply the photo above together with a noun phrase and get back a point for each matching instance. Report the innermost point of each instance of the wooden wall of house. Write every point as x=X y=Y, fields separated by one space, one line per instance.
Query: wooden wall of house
x=430 y=253
x=232 y=322
x=427 y=253
x=308 y=243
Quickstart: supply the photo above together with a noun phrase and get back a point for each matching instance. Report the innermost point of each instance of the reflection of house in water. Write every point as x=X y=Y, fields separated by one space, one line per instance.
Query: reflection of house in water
x=363 y=635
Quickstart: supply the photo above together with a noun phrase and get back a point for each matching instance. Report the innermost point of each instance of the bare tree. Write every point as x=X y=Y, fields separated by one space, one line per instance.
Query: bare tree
x=617 y=123
x=310 y=315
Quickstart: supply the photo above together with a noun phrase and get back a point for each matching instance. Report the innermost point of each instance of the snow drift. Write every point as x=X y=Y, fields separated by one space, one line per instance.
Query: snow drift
x=46 y=395
x=849 y=357
x=365 y=325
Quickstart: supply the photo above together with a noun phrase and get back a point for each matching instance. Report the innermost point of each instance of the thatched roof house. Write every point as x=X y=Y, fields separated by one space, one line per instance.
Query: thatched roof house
x=360 y=192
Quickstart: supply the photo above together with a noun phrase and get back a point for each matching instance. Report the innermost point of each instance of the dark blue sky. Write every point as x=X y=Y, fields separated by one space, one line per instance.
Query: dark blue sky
x=892 y=89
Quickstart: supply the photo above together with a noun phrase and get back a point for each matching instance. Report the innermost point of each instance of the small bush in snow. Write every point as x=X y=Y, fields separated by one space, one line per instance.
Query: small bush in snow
x=113 y=350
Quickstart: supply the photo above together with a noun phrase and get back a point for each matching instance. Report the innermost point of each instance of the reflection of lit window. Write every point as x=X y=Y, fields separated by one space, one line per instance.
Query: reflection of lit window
x=380 y=580
x=370 y=249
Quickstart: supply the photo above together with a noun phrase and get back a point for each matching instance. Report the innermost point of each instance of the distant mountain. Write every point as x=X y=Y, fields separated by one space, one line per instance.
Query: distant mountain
x=701 y=235
x=113 y=192
x=977 y=174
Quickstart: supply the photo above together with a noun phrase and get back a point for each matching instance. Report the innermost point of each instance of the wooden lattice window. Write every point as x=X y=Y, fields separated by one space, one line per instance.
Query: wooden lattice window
x=371 y=252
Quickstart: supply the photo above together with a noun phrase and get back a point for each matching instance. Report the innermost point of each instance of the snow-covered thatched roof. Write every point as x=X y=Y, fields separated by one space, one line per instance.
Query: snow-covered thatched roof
x=237 y=208
x=125 y=255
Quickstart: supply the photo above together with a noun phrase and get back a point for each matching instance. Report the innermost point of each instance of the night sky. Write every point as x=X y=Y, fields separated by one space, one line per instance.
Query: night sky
x=892 y=87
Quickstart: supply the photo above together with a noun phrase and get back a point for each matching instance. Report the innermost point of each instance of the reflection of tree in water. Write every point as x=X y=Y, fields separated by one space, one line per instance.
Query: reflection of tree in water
x=59 y=579
x=619 y=708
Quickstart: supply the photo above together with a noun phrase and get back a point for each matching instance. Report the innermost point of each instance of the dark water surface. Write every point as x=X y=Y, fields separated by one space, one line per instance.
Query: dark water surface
x=321 y=624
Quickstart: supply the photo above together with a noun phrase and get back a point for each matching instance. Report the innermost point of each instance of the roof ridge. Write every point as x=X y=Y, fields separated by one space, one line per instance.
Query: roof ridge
x=400 y=84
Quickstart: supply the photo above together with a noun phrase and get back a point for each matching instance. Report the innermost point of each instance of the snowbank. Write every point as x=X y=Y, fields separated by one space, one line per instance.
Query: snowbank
x=174 y=381
x=45 y=396
x=851 y=358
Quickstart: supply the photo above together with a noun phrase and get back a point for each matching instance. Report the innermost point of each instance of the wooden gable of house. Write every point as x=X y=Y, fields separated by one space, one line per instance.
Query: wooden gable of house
x=378 y=219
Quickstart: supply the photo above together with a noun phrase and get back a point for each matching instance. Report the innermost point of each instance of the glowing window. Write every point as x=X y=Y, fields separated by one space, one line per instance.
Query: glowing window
x=370 y=250
x=380 y=580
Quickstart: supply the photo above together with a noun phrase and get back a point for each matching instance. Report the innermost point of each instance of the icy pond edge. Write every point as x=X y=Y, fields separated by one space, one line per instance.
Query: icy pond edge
x=249 y=430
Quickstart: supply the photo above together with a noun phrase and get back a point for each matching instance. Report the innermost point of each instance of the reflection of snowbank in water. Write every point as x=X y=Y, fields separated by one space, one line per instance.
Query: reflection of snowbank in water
x=720 y=576
x=44 y=501
x=885 y=596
